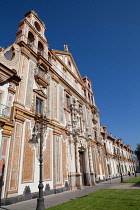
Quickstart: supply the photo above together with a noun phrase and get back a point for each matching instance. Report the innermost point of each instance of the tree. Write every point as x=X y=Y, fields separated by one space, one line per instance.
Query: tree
x=137 y=152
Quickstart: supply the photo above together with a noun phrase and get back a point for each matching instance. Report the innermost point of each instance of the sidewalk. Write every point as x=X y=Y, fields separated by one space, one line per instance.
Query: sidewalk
x=55 y=199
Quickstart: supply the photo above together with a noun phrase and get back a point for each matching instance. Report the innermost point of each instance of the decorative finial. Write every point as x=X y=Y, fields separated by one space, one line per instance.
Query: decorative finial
x=66 y=48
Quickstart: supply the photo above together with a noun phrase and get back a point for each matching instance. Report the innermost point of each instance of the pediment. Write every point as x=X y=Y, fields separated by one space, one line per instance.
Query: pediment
x=66 y=59
x=40 y=92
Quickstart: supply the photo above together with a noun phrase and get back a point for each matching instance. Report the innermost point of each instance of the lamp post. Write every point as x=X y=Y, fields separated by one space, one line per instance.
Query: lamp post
x=120 y=169
x=134 y=167
x=34 y=140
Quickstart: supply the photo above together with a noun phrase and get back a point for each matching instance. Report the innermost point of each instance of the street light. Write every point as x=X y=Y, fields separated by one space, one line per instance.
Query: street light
x=134 y=167
x=120 y=172
x=34 y=141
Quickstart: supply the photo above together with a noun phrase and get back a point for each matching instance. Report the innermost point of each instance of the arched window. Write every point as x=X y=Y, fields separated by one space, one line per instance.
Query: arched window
x=88 y=85
x=30 y=41
x=40 y=48
x=37 y=26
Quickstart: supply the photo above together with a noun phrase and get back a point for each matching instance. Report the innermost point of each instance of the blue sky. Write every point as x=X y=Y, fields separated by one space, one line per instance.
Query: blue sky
x=104 y=39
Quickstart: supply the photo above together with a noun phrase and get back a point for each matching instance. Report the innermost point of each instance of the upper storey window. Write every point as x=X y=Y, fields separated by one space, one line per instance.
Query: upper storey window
x=69 y=63
x=67 y=101
x=30 y=41
x=37 y=26
x=40 y=48
x=39 y=106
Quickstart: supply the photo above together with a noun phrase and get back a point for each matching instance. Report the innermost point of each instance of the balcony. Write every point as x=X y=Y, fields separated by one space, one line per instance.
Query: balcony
x=5 y=111
x=40 y=77
x=94 y=119
x=99 y=139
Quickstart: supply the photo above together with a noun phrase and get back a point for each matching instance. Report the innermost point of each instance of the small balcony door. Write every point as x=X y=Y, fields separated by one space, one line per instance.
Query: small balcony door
x=39 y=106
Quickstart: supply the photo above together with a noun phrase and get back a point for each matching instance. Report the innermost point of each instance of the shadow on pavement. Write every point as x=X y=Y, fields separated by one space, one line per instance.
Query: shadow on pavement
x=136 y=185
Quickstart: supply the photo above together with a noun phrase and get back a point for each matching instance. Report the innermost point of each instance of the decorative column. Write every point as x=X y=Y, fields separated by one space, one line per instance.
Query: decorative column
x=77 y=158
x=87 y=172
x=77 y=164
x=92 y=175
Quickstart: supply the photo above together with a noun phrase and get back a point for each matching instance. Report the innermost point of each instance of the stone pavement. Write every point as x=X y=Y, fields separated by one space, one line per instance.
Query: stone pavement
x=55 y=199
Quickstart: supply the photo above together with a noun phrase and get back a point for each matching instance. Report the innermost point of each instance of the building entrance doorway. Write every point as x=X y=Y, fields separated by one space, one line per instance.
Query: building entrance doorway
x=1 y=181
x=82 y=167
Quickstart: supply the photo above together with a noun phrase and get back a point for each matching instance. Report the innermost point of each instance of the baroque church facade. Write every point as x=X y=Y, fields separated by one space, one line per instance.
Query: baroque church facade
x=38 y=83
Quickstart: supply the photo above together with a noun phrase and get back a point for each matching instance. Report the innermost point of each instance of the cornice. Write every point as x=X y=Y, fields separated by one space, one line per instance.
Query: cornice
x=65 y=66
x=80 y=102
x=56 y=79
x=55 y=125
x=68 y=91
x=21 y=114
x=29 y=52
x=36 y=16
x=26 y=50
x=69 y=54
x=57 y=133
x=74 y=91
x=41 y=81
x=7 y=129
x=8 y=74
x=67 y=110
x=42 y=60
x=40 y=93
x=91 y=92
x=11 y=90
x=34 y=30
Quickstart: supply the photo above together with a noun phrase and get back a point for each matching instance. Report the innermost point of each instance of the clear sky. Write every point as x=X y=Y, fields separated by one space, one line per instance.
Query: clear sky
x=104 y=39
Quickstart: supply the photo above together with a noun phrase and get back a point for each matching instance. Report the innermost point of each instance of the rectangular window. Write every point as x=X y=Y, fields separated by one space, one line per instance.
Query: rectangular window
x=67 y=102
x=39 y=106
x=95 y=135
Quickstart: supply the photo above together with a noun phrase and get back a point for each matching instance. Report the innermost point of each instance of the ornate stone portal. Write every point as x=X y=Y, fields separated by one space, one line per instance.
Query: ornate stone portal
x=80 y=138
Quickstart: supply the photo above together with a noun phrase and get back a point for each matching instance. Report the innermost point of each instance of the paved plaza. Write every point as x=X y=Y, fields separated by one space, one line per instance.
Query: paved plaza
x=55 y=199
